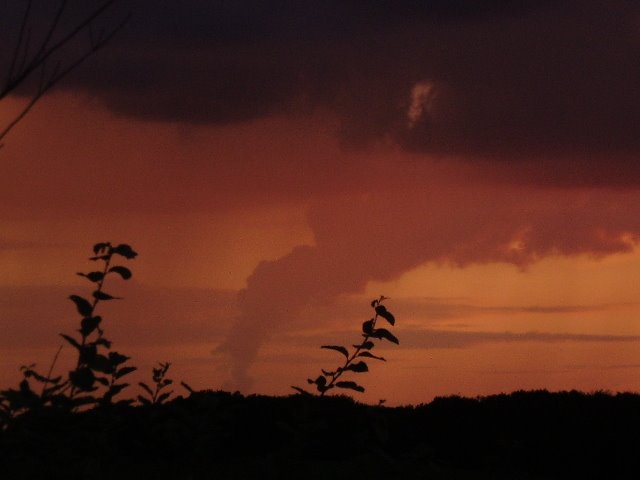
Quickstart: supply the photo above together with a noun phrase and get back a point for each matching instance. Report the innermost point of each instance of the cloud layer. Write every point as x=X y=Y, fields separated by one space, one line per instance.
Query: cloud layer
x=550 y=82
x=385 y=233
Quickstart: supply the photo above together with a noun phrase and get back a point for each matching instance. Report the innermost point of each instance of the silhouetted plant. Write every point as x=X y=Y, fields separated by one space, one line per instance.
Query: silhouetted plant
x=96 y=364
x=161 y=382
x=13 y=402
x=353 y=361
x=92 y=366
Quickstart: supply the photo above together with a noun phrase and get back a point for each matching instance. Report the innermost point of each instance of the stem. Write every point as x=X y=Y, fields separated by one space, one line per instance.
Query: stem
x=53 y=363
x=93 y=308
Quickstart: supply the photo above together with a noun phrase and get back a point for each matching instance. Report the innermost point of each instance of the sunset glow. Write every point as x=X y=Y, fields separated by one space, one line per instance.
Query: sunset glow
x=275 y=177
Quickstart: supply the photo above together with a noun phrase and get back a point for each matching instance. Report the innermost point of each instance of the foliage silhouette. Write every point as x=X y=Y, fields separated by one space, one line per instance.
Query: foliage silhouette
x=526 y=435
x=96 y=365
x=161 y=382
x=353 y=361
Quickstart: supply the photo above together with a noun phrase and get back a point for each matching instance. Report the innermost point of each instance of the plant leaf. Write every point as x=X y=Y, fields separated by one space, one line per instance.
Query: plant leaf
x=54 y=388
x=100 y=295
x=358 y=367
x=187 y=387
x=368 y=345
x=125 y=250
x=116 y=358
x=71 y=340
x=84 y=307
x=89 y=324
x=102 y=341
x=116 y=389
x=370 y=355
x=146 y=387
x=88 y=353
x=386 y=314
x=300 y=390
x=100 y=363
x=29 y=372
x=82 y=378
x=144 y=401
x=99 y=247
x=386 y=334
x=125 y=371
x=367 y=327
x=323 y=388
x=124 y=272
x=337 y=348
x=92 y=276
x=350 y=385
x=161 y=398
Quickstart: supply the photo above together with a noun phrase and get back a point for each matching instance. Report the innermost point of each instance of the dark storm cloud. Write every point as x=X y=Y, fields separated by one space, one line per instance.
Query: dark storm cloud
x=503 y=79
x=494 y=79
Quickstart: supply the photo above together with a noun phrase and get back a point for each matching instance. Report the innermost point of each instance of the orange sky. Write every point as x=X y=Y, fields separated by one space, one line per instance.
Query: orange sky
x=277 y=171
x=468 y=322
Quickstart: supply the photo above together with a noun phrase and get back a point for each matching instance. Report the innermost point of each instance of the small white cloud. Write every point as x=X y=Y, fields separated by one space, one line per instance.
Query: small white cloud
x=422 y=97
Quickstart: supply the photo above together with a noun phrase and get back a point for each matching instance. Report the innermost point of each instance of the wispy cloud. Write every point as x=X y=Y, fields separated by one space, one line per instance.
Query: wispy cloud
x=34 y=316
x=349 y=309
x=443 y=308
x=429 y=339
x=434 y=338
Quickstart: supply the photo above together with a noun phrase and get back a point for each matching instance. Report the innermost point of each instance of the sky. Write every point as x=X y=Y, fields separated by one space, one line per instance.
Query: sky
x=277 y=165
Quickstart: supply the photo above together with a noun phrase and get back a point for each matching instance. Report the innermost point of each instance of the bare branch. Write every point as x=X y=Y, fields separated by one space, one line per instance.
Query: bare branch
x=52 y=28
x=23 y=64
x=16 y=52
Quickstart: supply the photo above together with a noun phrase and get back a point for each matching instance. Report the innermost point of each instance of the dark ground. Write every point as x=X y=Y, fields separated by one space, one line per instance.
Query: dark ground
x=218 y=435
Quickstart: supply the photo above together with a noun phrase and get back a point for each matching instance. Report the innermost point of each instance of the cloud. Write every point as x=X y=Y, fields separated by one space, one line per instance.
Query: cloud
x=11 y=244
x=443 y=309
x=351 y=309
x=435 y=338
x=380 y=235
x=527 y=95
x=533 y=92
x=148 y=316
x=430 y=339
x=551 y=85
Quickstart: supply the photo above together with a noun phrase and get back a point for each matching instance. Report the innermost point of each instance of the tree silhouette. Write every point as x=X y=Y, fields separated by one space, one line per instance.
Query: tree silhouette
x=40 y=55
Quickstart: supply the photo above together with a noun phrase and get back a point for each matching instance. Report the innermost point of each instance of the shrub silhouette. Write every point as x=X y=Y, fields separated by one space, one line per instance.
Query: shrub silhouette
x=96 y=366
x=353 y=361
x=155 y=397
x=222 y=435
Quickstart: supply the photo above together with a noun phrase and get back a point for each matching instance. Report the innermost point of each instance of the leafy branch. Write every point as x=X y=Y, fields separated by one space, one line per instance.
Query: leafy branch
x=91 y=363
x=96 y=364
x=353 y=361
x=156 y=396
